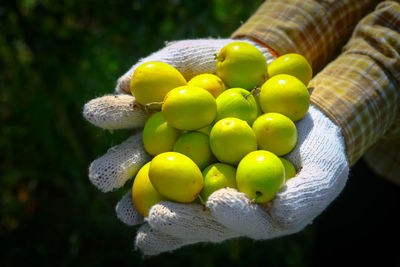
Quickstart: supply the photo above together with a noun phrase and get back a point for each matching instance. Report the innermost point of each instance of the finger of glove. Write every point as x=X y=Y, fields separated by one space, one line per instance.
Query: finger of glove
x=152 y=242
x=234 y=210
x=187 y=221
x=115 y=112
x=119 y=164
x=127 y=212
x=322 y=172
x=189 y=57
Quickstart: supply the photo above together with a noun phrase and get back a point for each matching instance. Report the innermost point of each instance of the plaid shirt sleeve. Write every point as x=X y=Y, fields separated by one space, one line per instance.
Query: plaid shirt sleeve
x=314 y=29
x=359 y=90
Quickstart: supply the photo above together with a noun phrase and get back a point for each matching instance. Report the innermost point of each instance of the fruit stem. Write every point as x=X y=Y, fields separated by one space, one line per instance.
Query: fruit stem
x=153 y=106
x=216 y=57
x=253 y=92
x=258 y=194
x=201 y=200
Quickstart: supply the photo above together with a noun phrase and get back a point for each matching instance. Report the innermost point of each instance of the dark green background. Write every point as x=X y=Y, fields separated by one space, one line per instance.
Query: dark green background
x=57 y=55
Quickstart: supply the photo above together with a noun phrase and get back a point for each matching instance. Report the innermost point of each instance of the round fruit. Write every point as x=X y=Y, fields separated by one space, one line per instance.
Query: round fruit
x=153 y=80
x=210 y=82
x=285 y=94
x=189 y=108
x=144 y=195
x=260 y=174
x=231 y=139
x=290 y=171
x=158 y=136
x=217 y=176
x=241 y=65
x=276 y=133
x=292 y=64
x=176 y=177
x=196 y=146
x=238 y=103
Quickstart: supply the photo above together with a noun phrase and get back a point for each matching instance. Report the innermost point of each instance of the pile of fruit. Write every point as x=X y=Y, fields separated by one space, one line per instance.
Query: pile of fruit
x=225 y=130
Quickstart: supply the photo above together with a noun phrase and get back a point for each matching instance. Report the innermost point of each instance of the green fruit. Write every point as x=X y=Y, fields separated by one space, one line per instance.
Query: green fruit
x=176 y=177
x=217 y=176
x=285 y=94
x=210 y=82
x=290 y=171
x=231 y=139
x=276 y=133
x=238 y=103
x=196 y=146
x=153 y=80
x=158 y=136
x=144 y=195
x=292 y=64
x=260 y=174
x=189 y=108
x=241 y=65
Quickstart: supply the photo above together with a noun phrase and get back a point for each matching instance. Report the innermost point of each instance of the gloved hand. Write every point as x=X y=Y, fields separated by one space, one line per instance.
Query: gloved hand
x=319 y=158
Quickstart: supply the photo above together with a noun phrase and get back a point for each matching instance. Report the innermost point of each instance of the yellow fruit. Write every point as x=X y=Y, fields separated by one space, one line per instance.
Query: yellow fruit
x=153 y=80
x=242 y=65
x=144 y=196
x=158 y=136
x=217 y=176
x=285 y=94
x=292 y=64
x=195 y=145
x=275 y=133
x=260 y=174
x=176 y=177
x=210 y=82
x=189 y=108
x=237 y=103
x=231 y=139
x=290 y=171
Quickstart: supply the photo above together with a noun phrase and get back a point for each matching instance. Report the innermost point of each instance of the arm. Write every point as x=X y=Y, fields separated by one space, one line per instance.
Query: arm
x=315 y=29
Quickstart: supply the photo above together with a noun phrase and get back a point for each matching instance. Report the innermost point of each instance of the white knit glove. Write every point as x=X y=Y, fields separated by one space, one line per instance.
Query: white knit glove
x=319 y=158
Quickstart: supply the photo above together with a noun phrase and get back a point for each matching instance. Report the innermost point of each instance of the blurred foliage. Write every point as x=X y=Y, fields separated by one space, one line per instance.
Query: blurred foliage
x=54 y=57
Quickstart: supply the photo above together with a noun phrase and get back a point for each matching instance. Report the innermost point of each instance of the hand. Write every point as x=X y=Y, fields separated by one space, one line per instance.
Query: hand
x=322 y=168
x=120 y=111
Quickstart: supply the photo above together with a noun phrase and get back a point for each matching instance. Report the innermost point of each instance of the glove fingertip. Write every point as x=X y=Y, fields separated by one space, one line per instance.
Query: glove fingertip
x=151 y=242
x=121 y=162
x=126 y=211
x=114 y=112
x=123 y=83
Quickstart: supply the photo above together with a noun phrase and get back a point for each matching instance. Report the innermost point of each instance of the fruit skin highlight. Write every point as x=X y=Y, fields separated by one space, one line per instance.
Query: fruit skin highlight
x=285 y=94
x=242 y=65
x=212 y=83
x=196 y=146
x=260 y=174
x=231 y=139
x=276 y=133
x=238 y=103
x=292 y=64
x=290 y=171
x=158 y=136
x=189 y=108
x=151 y=81
x=217 y=176
x=176 y=177
x=144 y=195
